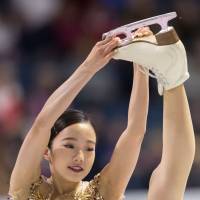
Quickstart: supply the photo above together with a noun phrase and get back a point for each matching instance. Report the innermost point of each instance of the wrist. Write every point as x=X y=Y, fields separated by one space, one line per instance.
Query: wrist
x=140 y=74
x=88 y=68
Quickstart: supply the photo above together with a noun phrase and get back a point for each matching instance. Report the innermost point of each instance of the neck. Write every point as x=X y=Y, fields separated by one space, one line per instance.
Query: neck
x=62 y=186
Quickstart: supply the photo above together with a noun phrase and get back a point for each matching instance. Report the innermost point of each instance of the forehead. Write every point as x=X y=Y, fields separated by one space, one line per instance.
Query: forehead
x=80 y=131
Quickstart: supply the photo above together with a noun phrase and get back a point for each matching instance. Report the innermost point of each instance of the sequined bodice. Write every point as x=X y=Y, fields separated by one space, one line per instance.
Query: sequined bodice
x=85 y=191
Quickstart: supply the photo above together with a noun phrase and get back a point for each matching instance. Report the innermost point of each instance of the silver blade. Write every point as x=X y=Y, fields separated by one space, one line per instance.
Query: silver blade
x=162 y=20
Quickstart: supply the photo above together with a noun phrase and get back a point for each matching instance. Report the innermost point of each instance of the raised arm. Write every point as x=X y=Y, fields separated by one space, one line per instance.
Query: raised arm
x=27 y=167
x=139 y=102
x=116 y=175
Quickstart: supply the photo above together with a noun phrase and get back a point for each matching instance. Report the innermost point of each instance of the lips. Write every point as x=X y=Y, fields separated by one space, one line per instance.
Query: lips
x=76 y=168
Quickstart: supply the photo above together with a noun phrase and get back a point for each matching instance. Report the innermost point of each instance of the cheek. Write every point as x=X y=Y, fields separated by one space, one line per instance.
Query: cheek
x=90 y=158
x=62 y=156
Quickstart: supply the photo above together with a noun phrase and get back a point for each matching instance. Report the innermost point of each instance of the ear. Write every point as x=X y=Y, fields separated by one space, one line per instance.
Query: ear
x=47 y=154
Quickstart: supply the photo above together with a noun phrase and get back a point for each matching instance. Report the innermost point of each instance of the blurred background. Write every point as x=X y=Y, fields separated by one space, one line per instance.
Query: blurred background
x=43 y=41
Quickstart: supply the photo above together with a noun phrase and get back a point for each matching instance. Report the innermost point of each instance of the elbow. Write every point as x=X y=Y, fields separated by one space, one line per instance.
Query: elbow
x=40 y=121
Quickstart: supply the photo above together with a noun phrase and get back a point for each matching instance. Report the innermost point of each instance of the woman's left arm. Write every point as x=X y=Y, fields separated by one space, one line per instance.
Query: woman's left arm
x=124 y=159
x=116 y=175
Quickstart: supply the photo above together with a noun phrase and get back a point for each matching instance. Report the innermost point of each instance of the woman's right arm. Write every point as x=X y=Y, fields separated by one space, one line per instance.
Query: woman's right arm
x=27 y=166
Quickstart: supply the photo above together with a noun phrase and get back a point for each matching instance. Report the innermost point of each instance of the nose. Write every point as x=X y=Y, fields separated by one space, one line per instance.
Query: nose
x=79 y=157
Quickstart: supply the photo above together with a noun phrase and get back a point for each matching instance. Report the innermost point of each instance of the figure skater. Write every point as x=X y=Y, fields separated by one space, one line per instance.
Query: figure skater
x=66 y=138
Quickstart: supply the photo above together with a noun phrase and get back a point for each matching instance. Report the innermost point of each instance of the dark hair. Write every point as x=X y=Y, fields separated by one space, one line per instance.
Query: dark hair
x=69 y=117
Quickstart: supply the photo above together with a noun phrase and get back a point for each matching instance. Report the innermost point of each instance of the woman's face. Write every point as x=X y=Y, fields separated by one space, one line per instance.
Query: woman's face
x=73 y=152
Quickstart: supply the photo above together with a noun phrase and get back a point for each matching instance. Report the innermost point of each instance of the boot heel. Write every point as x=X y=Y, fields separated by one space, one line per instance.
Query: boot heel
x=167 y=38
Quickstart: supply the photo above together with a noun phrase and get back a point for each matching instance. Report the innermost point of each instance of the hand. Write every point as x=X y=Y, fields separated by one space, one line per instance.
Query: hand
x=101 y=53
x=141 y=32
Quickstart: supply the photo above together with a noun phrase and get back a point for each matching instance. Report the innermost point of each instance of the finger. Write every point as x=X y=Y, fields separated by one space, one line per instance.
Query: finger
x=138 y=30
x=144 y=31
x=146 y=28
x=137 y=33
x=105 y=41
x=110 y=55
x=112 y=45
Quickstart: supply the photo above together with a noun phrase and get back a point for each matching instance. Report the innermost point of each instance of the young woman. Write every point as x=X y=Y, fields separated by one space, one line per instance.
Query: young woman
x=71 y=141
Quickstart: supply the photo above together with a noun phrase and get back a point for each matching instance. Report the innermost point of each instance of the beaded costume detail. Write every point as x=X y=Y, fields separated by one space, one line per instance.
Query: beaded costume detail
x=85 y=191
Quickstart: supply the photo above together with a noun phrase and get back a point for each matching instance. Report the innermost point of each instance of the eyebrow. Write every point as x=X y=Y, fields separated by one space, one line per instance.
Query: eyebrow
x=74 y=139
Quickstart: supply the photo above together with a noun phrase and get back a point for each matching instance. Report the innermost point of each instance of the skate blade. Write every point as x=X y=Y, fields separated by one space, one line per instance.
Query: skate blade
x=127 y=29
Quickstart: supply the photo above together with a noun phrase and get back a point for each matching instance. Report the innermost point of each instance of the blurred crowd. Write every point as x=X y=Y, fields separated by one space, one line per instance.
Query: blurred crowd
x=43 y=41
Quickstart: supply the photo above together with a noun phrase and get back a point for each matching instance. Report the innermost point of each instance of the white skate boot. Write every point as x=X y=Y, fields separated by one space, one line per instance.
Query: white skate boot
x=163 y=53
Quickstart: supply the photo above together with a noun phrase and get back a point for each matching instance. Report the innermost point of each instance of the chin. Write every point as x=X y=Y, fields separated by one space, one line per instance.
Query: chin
x=74 y=177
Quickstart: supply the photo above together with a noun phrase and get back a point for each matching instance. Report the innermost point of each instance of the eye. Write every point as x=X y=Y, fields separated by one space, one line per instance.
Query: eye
x=90 y=149
x=70 y=146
